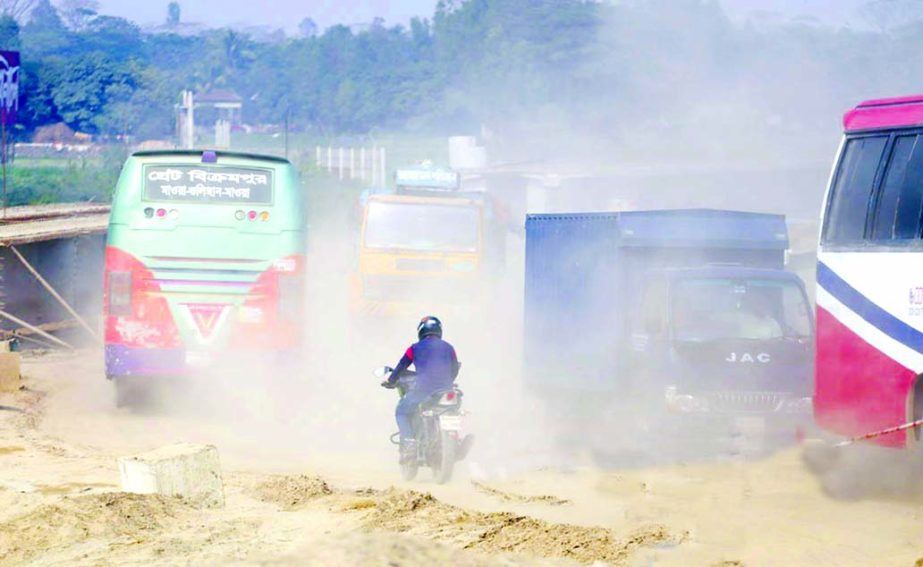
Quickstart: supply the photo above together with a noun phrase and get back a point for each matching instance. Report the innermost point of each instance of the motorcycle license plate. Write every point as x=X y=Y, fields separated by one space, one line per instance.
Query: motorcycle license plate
x=450 y=422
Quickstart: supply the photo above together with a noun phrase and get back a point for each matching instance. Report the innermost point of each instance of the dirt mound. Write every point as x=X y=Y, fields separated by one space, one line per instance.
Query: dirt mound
x=519 y=498
x=387 y=550
x=292 y=492
x=421 y=514
x=115 y=516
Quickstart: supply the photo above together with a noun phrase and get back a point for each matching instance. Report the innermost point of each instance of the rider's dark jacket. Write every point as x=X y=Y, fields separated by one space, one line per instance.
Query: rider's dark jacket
x=435 y=362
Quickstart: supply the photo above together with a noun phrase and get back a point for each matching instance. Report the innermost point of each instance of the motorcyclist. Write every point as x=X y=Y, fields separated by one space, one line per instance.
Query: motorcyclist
x=436 y=367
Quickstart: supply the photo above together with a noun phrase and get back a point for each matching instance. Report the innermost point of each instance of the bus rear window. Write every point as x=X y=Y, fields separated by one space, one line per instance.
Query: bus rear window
x=198 y=184
x=852 y=190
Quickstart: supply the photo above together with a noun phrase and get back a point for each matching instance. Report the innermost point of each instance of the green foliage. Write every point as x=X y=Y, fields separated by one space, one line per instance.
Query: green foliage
x=520 y=68
x=50 y=184
x=88 y=90
x=9 y=34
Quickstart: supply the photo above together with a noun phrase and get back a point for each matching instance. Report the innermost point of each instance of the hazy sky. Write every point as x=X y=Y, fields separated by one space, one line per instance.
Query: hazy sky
x=287 y=13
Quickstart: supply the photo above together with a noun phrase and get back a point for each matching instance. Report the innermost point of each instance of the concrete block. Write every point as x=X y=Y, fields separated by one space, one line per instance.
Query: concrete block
x=10 y=377
x=190 y=471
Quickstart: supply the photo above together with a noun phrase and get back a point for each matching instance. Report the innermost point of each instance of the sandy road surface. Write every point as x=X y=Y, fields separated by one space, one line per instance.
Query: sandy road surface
x=301 y=491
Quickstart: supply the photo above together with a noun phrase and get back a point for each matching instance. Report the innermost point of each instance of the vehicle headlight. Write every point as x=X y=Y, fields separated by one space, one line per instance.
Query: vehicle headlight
x=683 y=403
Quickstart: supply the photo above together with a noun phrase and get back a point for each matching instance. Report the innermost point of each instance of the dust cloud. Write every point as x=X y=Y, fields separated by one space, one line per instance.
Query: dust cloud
x=734 y=136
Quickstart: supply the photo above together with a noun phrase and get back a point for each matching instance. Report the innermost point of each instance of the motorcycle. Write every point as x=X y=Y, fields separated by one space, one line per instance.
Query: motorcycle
x=437 y=426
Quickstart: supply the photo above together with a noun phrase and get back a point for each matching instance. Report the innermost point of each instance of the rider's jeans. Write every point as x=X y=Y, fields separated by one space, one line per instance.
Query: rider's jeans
x=405 y=409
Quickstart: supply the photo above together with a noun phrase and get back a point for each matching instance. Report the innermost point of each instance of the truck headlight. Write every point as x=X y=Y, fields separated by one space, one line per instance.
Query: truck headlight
x=683 y=403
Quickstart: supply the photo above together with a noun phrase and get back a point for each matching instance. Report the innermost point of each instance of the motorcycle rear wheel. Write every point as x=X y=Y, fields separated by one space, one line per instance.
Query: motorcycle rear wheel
x=444 y=467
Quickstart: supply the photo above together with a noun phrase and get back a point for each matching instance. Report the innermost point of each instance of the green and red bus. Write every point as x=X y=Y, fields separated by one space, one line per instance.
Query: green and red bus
x=205 y=257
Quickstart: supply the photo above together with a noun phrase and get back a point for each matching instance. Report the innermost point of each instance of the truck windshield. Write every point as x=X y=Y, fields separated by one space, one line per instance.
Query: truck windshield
x=708 y=309
x=421 y=226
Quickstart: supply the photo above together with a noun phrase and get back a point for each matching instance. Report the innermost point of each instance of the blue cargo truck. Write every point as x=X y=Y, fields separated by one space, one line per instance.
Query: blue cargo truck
x=683 y=317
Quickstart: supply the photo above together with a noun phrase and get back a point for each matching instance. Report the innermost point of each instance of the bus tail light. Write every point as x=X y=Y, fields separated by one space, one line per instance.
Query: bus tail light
x=289 y=276
x=291 y=296
x=120 y=294
x=136 y=314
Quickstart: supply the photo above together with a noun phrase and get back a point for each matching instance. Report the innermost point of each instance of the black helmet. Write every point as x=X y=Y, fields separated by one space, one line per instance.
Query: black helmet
x=429 y=325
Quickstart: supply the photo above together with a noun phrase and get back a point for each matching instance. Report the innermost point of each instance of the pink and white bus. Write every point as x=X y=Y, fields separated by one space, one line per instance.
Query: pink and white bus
x=870 y=276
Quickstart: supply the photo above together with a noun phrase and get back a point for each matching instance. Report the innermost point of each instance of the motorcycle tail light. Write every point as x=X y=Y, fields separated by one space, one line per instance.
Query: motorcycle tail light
x=448 y=399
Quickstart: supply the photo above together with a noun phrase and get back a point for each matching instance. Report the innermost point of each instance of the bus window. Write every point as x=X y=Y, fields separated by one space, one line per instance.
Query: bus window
x=852 y=190
x=901 y=194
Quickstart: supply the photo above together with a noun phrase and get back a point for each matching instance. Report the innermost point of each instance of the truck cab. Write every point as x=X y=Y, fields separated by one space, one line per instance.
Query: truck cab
x=724 y=339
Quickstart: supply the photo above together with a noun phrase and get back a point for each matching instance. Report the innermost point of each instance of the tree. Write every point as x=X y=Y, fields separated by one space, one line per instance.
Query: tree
x=77 y=14
x=9 y=34
x=307 y=28
x=116 y=37
x=85 y=86
x=16 y=9
x=45 y=32
x=46 y=16
x=173 y=14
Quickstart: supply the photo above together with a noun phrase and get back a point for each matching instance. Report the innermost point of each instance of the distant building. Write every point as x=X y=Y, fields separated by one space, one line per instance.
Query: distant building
x=219 y=104
x=182 y=28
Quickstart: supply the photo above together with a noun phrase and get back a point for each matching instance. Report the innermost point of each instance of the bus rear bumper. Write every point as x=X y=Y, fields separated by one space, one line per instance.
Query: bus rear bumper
x=132 y=361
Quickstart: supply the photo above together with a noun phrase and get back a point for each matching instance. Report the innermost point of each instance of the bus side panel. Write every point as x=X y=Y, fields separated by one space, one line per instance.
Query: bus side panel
x=870 y=341
x=859 y=389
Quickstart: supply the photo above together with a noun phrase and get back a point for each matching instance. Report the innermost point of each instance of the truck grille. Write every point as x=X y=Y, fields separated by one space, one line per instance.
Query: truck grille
x=746 y=402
